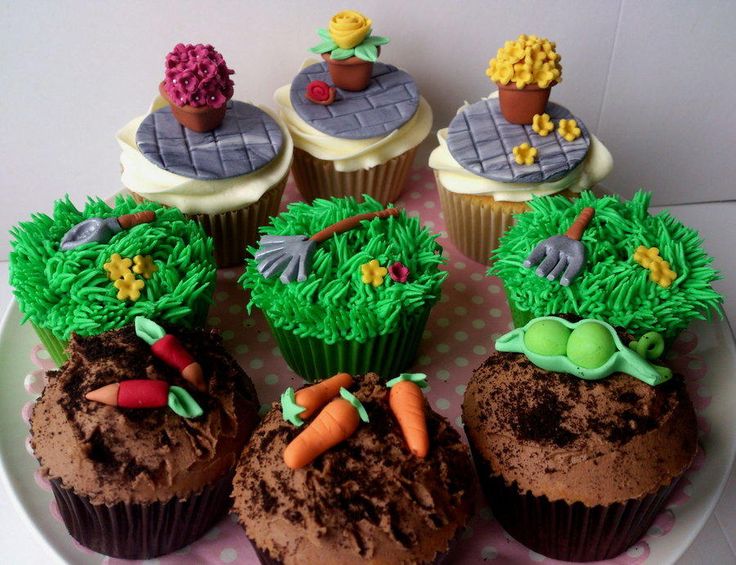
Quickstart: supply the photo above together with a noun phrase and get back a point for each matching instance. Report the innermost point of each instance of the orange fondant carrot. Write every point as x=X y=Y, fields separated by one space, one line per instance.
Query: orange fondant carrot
x=314 y=397
x=407 y=403
x=335 y=423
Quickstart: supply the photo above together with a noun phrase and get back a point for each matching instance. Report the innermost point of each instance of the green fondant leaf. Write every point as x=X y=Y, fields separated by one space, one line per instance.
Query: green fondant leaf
x=182 y=403
x=375 y=40
x=367 y=52
x=339 y=54
x=420 y=379
x=148 y=330
x=357 y=404
x=324 y=47
x=324 y=34
x=290 y=410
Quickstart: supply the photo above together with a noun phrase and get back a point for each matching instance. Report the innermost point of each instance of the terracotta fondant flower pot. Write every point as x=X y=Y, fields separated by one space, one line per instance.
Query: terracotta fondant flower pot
x=518 y=105
x=199 y=119
x=352 y=73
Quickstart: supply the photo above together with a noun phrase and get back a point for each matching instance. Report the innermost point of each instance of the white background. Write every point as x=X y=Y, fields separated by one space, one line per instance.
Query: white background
x=654 y=80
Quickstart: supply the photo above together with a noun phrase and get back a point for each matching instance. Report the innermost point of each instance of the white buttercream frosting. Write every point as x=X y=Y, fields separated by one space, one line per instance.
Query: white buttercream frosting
x=193 y=196
x=455 y=178
x=353 y=154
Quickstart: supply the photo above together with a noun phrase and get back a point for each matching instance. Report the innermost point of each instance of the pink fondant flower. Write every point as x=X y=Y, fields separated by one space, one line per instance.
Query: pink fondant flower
x=320 y=92
x=399 y=272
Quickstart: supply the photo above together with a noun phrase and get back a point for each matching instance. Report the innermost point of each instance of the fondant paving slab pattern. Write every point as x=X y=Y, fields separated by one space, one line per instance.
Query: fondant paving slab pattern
x=482 y=141
x=459 y=336
x=390 y=100
x=247 y=140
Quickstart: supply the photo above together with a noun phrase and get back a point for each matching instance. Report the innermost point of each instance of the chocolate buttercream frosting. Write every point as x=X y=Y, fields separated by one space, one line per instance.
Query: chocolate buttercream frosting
x=110 y=454
x=367 y=498
x=595 y=442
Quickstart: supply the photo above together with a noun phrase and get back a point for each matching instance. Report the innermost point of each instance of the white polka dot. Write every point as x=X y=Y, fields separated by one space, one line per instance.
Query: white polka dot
x=256 y=363
x=510 y=325
x=442 y=348
x=249 y=323
x=429 y=185
x=429 y=224
x=460 y=310
x=227 y=335
x=442 y=215
x=425 y=360
x=416 y=176
x=444 y=298
x=229 y=274
x=241 y=349
x=460 y=389
x=695 y=364
x=228 y=555
x=413 y=213
x=495 y=313
x=214 y=533
x=479 y=324
x=427 y=389
x=271 y=379
x=443 y=322
x=479 y=350
x=494 y=288
x=214 y=321
x=43 y=354
x=460 y=265
x=442 y=233
x=495 y=336
x=415 y=195
x=442 y=403
x=460 y=287
x=443 y=374
x=459 y=421
x=276 y=352
x=263 y=337
x=461 y=361
x=488 y=552
x=534 y=556
x=427 y=334
x=635 y=551
x=655 y=531
x=235 y=309
x=151 y=562
x=222 y=295
x=461 y=336
x=475 y=299
x=476 y=277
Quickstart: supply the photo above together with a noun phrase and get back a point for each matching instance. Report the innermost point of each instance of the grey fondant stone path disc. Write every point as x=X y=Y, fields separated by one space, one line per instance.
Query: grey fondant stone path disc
x=247 y=140
x=482 y=141
x=391 y=99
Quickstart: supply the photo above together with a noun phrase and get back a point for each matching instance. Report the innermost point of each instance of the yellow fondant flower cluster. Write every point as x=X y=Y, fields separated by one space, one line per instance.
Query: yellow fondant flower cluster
x=542 y=124
x=524 y=154
x=568 y=130
x=349 y=28
x=660 y=269
x=373 y=273
x=528 y=60
x=119 y=270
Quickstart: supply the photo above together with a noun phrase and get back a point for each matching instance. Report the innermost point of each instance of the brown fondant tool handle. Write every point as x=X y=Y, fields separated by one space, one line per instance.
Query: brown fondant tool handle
x=350 y=223
x=575 y=231
x=129 y=220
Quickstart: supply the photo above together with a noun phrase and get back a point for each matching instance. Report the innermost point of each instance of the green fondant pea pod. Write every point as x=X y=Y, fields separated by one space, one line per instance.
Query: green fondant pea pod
x=588 y=349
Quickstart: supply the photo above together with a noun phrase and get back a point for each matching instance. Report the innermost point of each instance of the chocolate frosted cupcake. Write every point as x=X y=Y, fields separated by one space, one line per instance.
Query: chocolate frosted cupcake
x=574 y=467
x=132 y=477
x=368 y=498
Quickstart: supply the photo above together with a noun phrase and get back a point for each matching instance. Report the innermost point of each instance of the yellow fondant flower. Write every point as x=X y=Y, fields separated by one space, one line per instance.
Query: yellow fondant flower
x=524 y=154
x=568 y=130
x=117 y=267
x=144 y=266
x=533 y=60
x=660 y=271
x=373 y=273
x=513 y=51
x=543 y=75
x=129 y=287
x=349 y=28
x=504 y=72
x=522 y=74
x=542 y=124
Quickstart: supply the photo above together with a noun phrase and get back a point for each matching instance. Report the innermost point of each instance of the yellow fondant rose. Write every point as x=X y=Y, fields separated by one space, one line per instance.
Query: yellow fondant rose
x=349 y=28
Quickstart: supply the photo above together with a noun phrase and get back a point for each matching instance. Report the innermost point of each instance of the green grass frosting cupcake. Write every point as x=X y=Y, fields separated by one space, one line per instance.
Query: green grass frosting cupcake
x=90 y=271
x=362 y=294
x=640 y=272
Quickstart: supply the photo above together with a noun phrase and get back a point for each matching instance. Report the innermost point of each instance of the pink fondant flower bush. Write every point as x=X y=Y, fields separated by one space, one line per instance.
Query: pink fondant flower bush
x=197 y=75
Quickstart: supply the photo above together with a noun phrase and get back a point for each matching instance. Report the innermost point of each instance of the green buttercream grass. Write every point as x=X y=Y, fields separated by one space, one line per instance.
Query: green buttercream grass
x=333 y=303
x=69 y=291
x=611 y=286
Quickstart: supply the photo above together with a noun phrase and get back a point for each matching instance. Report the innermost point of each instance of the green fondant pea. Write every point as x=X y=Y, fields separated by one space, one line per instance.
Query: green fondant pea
x=547 y=337
x=590 y=345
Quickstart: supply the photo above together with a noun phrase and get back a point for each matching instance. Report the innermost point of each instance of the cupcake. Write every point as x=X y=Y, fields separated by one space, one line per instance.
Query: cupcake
x=345 y=286
x=356 y=122
x=94 y=270
x=629 y=268
x=367 y=498
x=222 y=162
x=500 y=152
x=139 y=434
x=578 y=440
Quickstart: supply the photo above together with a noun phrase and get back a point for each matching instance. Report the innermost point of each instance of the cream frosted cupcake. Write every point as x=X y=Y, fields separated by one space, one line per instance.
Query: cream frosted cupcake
x=229 y=177
x=488 y=167
x=356 y=123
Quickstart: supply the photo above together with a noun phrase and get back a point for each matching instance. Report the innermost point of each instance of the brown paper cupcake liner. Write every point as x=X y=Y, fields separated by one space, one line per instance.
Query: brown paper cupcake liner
x=476 y=223
x=570 y=532
x=142 y=531
x=233 y=231
x=317 y=178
